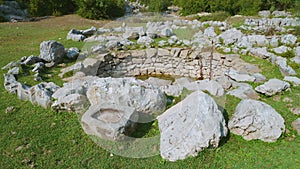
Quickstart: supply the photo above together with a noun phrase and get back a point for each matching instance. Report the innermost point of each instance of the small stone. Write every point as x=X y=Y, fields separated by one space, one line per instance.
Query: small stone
x=296 y=125
x=295 y=111
x=10 y=109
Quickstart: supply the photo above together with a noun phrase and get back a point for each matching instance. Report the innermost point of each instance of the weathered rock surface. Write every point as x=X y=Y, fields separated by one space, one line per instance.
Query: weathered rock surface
x=157 y=82
x=134 y=93
x=235 y=75
x=231 y=36
x=145 y=40
x=243 y=91
x=52 y=51
x=296 y=125
x=256 y=120
x=272 y=87
x=109 y=121
x=10 y=83
x=191 y=126
x=73 y=102
x=294 y=80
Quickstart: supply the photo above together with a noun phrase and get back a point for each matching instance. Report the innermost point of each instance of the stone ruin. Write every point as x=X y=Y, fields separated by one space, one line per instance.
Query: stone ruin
x=104 y=90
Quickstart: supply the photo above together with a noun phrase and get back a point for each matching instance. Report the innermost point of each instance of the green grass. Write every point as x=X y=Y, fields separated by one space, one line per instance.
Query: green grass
x=33 y=136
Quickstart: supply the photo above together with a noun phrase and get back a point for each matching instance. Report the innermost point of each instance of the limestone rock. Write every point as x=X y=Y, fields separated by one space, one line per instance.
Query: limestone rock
x=213 y=87
x=231 y=36
x=145 y=40
x=235 y=75
x=294 y=80
x=272 y=87
x=10 y=83
x=131 y=92
x=52 y=51
x=256 y=120
x=73 y=102
x=296 y=125
x=288 y=39
x=40 y=95
x=285 y=69
x=109 y=121
x=243 y=91
x=31 y=60
x=72 y=53
x=190 y=127
x=158 y=82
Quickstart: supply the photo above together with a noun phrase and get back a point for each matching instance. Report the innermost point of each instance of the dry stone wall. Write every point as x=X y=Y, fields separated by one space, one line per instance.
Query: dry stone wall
x=173 y=61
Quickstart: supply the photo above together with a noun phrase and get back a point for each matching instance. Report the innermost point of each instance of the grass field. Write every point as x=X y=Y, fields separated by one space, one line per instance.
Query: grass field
x=32 y=136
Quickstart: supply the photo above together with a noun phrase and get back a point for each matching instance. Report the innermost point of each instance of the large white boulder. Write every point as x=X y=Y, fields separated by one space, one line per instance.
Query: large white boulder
x=191 y=126
x=256 y=120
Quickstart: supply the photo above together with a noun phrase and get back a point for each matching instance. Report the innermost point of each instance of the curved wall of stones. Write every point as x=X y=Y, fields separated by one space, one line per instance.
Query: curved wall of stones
x=173 y=61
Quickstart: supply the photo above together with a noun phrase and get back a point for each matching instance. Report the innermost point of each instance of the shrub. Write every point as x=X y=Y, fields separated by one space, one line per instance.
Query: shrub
x=157 y=5
x=52 y=7
x=98 y=9
x=217 y=16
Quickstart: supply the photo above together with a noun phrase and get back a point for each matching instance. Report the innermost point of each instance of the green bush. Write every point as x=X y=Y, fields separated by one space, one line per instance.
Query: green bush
x=234 y=7
x=157 y=5
x=50 y=7
x=98 y=9
x=217 y=16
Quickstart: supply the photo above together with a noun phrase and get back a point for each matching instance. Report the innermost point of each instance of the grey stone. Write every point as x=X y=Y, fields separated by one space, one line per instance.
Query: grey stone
x=158 y=82
x=145 y=40
x=40 y=66
x=38 y=94
x=259 y=78
x=31 y=60
x=264 y=14
x=14 y=71
x=210 y=32
x=231 y=36
x=227 y=50
x=11 y=65
x=10 y=83
x=109 y=121
x=274 y=42
x=72 y=53
x=235 y=75
x=296 y=125
x=285 y=69
x=258 y=40
x=256 y=120
x=75 y=35
x=243 y=91
x=130 y=92
x=272 y=87
x=73 y=102
x=90 y=66
x=191 y=126
x=295 y=111
x=260 y=52
x=99 y=49
x=134 y=32
x=23 y=91
x=172 y=90
x=89 y=32
x=294 y=80
x=210 y=86
x=71 y=69
x=288 y=39
x=52 y=51
x=167 y=32
x=281 y=49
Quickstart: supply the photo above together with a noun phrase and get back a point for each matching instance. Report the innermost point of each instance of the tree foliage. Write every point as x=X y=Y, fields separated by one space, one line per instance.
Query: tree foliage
x=233 y=7
x=97 y=9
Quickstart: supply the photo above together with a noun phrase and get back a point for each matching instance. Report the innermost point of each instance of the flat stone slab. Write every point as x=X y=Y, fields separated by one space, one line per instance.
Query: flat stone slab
x=272 y=87
x=109 y=121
